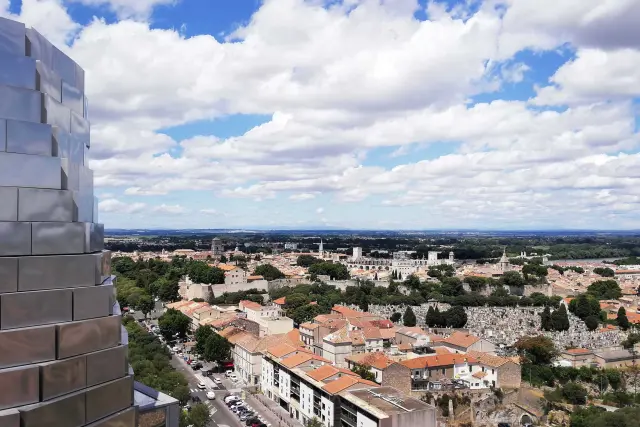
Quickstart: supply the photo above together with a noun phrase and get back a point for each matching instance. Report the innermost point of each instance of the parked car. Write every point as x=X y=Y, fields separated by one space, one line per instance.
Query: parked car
x=217 y=380
x=231 y=398
x=233 y=377
x=228 y=373
x=197 y=365
x=201 y=385
x=211 y=395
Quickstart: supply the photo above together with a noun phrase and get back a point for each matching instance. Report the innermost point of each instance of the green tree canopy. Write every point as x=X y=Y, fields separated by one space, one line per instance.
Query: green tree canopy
x=173 y=323
x=604 y=271
x=269 y=272
x=605 y=289
x=217 y=349
x=622 y=320
x=334 y=270
x=200 y=415
x=591 y=323
x=538 y=350
x=307 y=261
x=305 y=313
x=409 y=317
x=395 y=317
x=560 y=319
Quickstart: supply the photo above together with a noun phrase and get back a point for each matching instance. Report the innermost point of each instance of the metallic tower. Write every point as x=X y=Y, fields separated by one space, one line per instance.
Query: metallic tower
x=63 y=350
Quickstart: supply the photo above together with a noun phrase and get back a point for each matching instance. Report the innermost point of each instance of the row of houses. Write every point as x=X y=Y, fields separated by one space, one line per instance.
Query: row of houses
x=310 y=387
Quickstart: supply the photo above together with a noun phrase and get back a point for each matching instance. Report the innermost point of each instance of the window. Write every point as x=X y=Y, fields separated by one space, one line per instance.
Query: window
x=493 y=371
x=443 y=371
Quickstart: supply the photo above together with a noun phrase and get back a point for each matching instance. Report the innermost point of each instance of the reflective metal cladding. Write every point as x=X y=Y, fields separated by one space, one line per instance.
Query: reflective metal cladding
x=62 y=363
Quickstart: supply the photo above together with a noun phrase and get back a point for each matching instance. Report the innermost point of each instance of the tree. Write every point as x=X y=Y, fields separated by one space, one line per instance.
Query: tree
x=296 y=300
x=622 y=320
x=591 y=323
x=632 y=339
x=168 y=290
x=145 y=304
x=574 y=393
x=395 y=317
x=412 y=282
x=430 y=319
x=202 y=334
x=513 y=279
x=409 y=318
x=335 y=271
x=451 y=286
x=364 y=372
x=217 y=349
x=269 y=272
x=545 y=320
x=605 y=289
x=604 y=271
x=307 y=261
x=364 y=304
x=199 y=416
x=559 y=319
x=173 y=323
x=314 y=422
x=585 y=305
x=305 y=313
x=538 y=350
x=456 y=317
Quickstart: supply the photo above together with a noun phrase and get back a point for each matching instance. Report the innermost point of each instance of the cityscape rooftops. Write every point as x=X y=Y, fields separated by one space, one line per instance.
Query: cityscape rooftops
x=344 y=382
x=383 y=402
x=461 y=339
x=376 y=359
x=488 y=359
x=438 y=360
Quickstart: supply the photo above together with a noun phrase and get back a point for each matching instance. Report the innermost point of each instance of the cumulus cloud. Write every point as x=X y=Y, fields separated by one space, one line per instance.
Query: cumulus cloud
x=116 y=206
x=340 y=81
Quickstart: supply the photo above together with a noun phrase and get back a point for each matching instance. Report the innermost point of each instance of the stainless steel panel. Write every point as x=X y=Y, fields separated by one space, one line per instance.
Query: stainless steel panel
x=15 y=238
x=21 y=170
x=56 y=114
x=39 y=48
x=45 y=205
x=20 y=386
x=62 y=377
x=102 y=266
x=86 y=336
x=64 y=66
x=83 y=205
x=94 y=236
x=8 y=204
x=86 y=108
x=86 y=179
x=51 y=238
x=12 y=37
x=70 y=175
x=3 y=135
x=47 y=81
x=10 y=418
x=86 y=156
x=80 y=80
x=109 y=398
x=96 y=213
x=20 y=104
x=106 y=365
x=126 y=418
x=92 y=302
x=23 y=309
x=55 y=272
x=27 y=345
x=76 y=149
x=81 y=127
x=72 y=97
x=8 y=275
x=67 y=411
x=29 y=138
x=60 y=142
x=18 y=71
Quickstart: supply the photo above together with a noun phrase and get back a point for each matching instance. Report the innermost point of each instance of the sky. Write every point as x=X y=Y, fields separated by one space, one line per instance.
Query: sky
x=367 y=114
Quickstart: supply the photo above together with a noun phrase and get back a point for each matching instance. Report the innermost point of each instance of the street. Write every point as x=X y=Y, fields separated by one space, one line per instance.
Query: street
x=222 y=416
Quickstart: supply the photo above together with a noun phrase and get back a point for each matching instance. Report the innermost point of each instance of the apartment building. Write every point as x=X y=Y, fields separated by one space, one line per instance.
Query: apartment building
x=462 y=342
x=376 y=363
x=308 y=387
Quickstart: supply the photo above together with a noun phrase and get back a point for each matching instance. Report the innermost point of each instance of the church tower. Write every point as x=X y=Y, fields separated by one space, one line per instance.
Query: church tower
x=504 y=264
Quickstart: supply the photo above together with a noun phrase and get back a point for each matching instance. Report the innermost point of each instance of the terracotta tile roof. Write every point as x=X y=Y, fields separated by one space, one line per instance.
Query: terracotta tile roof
x=233 y=334
x=308 y=325
x=281 y=350
x=250 y=305
x=300 y=358
x=348 y=312
x=177 y=304
x=437 y=360
x=226 y=267
x=280 y=301
x=480 y=374
x=342 y=383
x=488 y=359
x=576 y=351
x=461 y=339
x=321 y=318
x=376 y=359
x=388 y=334
x=323 y=372
x=372 y=334
x=412 y=329
x=255 y=277
x=383 y=324
x=442 y=350
x=294 y=337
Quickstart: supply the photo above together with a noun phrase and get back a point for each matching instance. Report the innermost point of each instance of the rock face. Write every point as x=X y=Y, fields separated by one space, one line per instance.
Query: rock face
x=63 y=358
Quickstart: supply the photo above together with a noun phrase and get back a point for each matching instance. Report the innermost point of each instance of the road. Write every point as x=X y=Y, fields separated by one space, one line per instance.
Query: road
x=222 y=416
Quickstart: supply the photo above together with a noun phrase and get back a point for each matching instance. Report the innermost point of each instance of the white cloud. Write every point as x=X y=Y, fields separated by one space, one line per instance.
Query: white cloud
x=209 y=211
x=319 y=210
x=138 y=9
x=302 y=196
x=339 y=85
x=116 y=206
x=169 y=209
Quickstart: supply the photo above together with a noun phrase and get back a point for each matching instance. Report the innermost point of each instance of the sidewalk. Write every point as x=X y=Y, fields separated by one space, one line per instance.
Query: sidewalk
x=271 y=411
